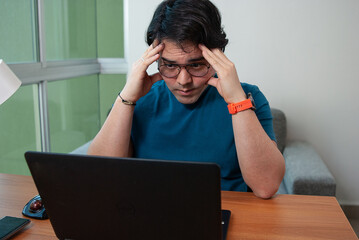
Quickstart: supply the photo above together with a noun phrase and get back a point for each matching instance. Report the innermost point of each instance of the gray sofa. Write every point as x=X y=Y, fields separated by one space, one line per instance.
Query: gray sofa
x=306 y=172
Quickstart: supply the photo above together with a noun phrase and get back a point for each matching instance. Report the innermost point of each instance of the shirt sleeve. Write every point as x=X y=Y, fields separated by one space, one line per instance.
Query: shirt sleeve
x=263 y=110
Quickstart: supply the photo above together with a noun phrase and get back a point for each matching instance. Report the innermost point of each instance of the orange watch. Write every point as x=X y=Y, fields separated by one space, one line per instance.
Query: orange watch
x=233 y=108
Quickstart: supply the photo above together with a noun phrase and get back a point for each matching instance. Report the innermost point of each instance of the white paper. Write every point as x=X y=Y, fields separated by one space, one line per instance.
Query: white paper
x=9 y=83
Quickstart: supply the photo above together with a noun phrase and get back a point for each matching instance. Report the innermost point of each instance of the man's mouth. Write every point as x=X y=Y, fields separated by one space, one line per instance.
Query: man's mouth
x=185 y=92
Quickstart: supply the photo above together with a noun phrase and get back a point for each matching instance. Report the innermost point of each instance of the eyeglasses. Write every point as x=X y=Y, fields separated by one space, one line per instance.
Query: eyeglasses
x=173 y=70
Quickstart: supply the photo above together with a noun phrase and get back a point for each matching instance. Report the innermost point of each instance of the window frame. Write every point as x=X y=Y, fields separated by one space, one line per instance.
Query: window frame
x=44 y=71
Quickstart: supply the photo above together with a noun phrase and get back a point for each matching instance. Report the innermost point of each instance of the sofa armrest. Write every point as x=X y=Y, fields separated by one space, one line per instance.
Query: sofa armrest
x=306 y=172
x=82 y=150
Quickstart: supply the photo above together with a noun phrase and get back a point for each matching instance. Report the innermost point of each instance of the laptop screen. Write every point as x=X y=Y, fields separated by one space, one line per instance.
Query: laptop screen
x=89 y=197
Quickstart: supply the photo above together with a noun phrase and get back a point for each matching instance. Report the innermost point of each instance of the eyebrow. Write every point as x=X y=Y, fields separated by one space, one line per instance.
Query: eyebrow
x=190 y=60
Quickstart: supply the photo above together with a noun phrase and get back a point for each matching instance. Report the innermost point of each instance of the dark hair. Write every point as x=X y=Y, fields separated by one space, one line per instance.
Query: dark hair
x=196 y=21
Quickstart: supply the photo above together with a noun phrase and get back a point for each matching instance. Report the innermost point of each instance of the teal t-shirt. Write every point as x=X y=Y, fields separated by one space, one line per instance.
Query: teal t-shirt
x=166 y=129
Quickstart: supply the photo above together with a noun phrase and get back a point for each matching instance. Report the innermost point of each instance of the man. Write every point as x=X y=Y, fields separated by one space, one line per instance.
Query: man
x=181 y=113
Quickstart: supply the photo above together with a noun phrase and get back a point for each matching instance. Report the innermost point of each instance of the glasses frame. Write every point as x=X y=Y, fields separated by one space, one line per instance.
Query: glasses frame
x=179 y=68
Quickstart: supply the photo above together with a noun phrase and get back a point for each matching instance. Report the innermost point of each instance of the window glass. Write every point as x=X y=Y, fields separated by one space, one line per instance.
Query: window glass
x=17 y=28
x=110 y=28
x=70 y=29
x=20 y=129
x=110 y=86
x=73 y=112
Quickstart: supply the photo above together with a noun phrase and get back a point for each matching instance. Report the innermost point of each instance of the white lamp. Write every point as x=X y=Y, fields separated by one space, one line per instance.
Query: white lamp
x=9 y=83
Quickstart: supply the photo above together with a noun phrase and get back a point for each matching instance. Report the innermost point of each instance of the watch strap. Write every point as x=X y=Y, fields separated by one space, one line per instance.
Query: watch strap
x=234 y=108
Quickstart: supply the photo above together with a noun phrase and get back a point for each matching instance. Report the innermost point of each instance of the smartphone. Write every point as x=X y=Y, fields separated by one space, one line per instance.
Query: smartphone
x=11 y=225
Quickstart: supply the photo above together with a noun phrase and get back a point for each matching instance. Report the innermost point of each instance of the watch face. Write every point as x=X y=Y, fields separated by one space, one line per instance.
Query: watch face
x=250 y=97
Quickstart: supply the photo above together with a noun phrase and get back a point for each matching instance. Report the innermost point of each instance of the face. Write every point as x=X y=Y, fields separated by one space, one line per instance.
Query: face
x=186 y=88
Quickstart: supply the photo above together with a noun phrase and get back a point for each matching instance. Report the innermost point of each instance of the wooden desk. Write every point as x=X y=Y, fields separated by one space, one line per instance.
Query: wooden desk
x=282 y=217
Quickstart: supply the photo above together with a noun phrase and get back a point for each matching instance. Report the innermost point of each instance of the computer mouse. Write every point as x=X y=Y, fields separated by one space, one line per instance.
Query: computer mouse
x=35 y=209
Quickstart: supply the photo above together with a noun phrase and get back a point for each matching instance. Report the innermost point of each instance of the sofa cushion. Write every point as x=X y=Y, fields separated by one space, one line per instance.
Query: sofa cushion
x=82 y=149
x=280 y=127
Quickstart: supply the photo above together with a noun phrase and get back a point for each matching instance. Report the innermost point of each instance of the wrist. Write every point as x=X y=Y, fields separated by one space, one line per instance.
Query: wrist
x=127 y=95
x=125 y=101
x=235 y=93
x=237 y=97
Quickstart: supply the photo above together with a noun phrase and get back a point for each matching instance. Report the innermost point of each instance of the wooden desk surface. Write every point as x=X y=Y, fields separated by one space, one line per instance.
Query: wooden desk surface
x=282 y=217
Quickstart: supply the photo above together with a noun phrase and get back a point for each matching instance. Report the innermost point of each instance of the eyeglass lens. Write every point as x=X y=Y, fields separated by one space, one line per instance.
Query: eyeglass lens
x=173 y=70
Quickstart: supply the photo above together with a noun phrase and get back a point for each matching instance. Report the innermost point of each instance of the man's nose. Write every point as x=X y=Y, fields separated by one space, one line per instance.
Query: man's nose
x=184 y=77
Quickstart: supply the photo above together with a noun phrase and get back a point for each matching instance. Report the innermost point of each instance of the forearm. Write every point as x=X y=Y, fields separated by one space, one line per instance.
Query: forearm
x=114 y=138
x=261 y=162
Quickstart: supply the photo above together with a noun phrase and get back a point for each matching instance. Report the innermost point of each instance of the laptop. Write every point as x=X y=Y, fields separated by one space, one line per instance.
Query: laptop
x=93 y=197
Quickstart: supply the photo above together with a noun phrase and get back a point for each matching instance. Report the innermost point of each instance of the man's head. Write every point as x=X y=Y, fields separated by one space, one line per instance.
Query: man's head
x=181 y=25
x=183 y=21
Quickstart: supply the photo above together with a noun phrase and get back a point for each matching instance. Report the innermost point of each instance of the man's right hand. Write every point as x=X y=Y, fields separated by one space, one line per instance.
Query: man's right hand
x=139 y=82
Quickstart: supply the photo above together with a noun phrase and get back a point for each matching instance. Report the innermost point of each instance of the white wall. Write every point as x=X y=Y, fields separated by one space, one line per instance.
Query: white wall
x=304 y=55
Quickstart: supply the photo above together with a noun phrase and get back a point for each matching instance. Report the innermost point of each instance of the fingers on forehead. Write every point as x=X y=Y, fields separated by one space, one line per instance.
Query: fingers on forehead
x=155 y=43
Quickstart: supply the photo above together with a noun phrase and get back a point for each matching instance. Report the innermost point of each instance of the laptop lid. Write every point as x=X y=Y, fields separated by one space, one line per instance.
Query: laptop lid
x=93 y=197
